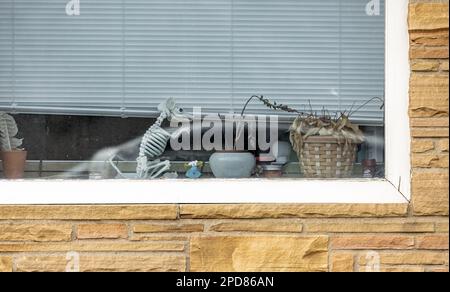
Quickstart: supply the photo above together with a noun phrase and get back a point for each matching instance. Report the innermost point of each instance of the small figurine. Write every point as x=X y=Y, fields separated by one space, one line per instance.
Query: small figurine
x=194 y=169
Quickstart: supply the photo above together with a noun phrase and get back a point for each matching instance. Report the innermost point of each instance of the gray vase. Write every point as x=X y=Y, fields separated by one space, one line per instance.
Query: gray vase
x=232 y=164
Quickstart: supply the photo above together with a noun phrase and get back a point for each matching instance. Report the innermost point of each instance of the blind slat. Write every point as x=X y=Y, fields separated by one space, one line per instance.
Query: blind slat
x=129 y=55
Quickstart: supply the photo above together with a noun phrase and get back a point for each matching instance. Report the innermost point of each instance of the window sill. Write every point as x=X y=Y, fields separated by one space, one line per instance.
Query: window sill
x=207 y=191
x=54 y=169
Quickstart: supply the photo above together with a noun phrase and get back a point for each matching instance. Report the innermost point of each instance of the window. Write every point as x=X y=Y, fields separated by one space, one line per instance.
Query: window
x=86 y=82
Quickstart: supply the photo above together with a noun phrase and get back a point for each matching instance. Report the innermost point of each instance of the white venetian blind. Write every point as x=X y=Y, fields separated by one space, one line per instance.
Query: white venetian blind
x=180 y=49
x=123 y=57
x=6 y=53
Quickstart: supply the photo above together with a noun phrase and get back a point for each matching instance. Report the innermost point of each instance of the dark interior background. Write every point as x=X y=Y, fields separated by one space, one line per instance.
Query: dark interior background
x=58 y=137
x=52 y=137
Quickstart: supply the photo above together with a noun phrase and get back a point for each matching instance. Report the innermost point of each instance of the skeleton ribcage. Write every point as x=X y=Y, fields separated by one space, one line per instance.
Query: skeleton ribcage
x=154 y=142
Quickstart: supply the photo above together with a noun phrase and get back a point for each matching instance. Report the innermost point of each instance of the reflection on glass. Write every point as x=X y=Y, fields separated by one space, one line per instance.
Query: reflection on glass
x=89 y=91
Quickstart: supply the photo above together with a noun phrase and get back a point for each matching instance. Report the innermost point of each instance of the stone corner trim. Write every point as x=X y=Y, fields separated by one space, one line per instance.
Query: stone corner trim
x=259 y=254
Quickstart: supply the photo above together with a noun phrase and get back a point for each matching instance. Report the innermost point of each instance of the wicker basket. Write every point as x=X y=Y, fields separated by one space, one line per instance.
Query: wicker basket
x=324 y=157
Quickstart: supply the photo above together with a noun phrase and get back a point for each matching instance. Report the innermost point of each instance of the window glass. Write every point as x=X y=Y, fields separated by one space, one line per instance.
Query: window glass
x=148 y=89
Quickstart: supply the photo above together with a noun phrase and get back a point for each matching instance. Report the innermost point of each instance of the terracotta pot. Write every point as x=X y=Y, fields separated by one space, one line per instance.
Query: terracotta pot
x=13 y=163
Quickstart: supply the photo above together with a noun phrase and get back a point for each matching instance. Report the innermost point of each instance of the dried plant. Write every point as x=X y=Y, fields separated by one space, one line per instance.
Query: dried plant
x=323 y=124
x=272 y=105
x=342 y=129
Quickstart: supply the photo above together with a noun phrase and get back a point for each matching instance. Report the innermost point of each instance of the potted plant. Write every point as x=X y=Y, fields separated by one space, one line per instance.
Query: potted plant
x=236 y=162
x=12 y=156
x=325 y=145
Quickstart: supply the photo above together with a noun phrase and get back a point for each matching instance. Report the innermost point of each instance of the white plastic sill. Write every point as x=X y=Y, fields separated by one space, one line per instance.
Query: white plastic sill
x=398 y=168
x=199 y=192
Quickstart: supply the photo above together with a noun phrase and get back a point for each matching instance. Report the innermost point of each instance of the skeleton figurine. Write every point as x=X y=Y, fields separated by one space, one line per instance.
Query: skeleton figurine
x=154 y=142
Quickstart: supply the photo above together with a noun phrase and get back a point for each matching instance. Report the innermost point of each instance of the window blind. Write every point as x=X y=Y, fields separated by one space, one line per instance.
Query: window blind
x=123 y=57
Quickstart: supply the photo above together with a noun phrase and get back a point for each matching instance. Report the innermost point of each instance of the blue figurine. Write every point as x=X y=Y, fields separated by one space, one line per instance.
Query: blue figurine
x=193 y=169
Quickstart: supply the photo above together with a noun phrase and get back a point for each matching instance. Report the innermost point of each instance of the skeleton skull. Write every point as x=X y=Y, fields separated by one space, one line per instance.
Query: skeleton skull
x=172 y=110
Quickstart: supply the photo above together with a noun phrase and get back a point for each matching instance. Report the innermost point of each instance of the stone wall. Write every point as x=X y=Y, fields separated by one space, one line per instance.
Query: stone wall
x=344 y=237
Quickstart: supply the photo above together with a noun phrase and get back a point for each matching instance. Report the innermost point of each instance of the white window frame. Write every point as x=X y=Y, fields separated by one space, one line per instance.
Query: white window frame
x=395 y=188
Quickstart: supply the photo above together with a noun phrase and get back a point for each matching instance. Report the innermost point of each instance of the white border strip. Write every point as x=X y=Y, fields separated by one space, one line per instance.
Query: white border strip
x=199 y=191
x=397 y=129
x=263 y=191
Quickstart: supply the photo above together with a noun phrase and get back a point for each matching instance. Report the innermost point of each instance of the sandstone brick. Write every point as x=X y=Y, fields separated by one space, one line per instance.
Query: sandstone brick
x=409 y=258
x=102 y=231
x=429 y=96
x=425 y=66
x=429 y=110
x=6 y=264
x=429 y=38
x=395 y=269
x=437 y=269
x=372 y=242
x=35 y=232
x=259 y=211
x=430 y=202
x=428 y=16
x=430 y=161
x=163 y=228
x=342 y=262
x=404 y=269
x=436 y=192
x=429 y=132
x=89 y=212
x=257 y=226
x=443 y=145
x=430 y=122
x=435 y=83
x=430 y=179
x=439 y=242
x=442 y=227
x=116 y=263
x=258 y=254
x=146 y=237
x=429 y=53
x=351 y=227
x=100 y=246
x=422 y=146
